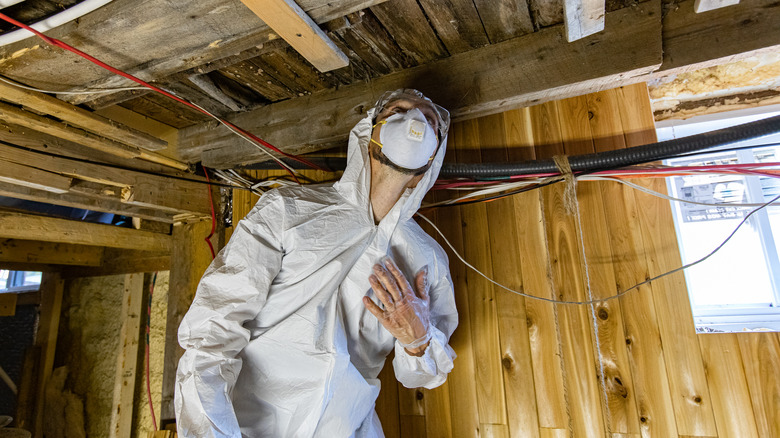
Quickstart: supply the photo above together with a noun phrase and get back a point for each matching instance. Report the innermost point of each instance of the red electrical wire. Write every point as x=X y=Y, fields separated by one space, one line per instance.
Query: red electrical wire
x=148 y=329
x=57 y=43
x=213 y=215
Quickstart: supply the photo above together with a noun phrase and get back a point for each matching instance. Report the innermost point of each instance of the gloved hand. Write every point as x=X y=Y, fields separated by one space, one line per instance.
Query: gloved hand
x=406 y=314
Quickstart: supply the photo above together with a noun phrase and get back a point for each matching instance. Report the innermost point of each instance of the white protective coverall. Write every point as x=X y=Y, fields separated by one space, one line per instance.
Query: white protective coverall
x=277 y=340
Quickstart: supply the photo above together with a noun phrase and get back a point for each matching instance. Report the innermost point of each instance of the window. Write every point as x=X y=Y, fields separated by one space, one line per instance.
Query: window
x=19 y=281
x=738 y=288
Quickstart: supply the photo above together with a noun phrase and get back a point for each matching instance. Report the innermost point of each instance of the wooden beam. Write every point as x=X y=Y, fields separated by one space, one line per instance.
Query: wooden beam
x=30 y=251
x=72 y=114
x=208 y=32
x=26 y=176
x=8 y=307
x=87 y=202
x=25 y=226
x=693 y=41
x=583 y=18
x=12 y=114
x=709 y=5
x=287 y=19
x=171 y=195
x=479 y=82
x=190 y=258
x=124 y=381
x=122 y=261
x=52 y=287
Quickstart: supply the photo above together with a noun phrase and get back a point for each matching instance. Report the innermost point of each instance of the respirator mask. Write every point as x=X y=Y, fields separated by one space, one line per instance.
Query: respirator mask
x=411 y=127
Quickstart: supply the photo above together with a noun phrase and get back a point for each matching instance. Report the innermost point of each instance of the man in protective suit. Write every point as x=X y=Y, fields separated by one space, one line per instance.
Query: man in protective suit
x=293 y=321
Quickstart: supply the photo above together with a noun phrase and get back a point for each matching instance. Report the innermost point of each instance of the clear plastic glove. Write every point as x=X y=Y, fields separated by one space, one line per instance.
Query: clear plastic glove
x=406 y=314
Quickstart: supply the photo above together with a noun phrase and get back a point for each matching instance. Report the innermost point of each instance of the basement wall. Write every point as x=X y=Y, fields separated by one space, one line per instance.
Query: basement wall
x=88 y=344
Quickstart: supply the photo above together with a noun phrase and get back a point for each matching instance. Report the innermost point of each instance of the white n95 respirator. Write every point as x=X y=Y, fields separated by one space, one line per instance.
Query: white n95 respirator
x=407 y=139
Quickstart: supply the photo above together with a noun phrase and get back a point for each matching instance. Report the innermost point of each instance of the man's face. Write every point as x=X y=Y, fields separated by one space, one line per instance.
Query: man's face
x=403 y=105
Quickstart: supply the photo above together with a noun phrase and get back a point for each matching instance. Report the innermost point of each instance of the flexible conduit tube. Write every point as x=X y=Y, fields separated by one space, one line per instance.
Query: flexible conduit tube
x=70 y=14
x=621 y=157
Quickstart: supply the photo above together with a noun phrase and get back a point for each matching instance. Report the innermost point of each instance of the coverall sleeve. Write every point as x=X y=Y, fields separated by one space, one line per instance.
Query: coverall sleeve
x=430 y=370
x=232 y=291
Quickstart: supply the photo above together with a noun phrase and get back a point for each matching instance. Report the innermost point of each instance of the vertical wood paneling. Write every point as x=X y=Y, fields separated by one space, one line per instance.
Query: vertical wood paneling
x=570 y=284
x=482 y=306
x=687 y=382
x=728 y=386
x=512 y=326
x=514 y=376
x=607 y=133
x=461 y=382
x=536 y=128
x=761 y=361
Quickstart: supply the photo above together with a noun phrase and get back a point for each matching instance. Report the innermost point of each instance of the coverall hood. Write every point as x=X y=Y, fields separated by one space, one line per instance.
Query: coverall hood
x=355 y=183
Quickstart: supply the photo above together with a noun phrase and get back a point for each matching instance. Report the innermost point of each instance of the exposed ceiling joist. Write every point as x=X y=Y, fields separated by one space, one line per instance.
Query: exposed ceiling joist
x=30 y=251
x=288 y=20
x=27 y=226
x=188 y=42
x=533 y=68
x=583 y=18
x=74 y=115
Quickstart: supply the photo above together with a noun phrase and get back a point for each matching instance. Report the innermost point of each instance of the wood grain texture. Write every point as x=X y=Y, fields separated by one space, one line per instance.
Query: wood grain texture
x=52 y=287
x=728 y=386
x=522 y=418
x=405 y=20
x=583 y=18
x=761 y=362
x=538 y=127
x=290 y=22
x=687 y=381
x=456 y=23
x=127 y=359
x=387 y=402
x=31 y=251
x=480 y=75
x=504 y=19
x=27 y=227
x=482 y=306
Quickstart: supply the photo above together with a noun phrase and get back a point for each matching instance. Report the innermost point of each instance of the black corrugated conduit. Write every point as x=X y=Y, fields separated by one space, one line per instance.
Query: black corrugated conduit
x=584 y=163
x=619 y=158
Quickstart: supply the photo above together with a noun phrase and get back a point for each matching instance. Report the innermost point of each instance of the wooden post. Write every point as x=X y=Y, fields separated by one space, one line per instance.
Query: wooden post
x=46 y=338
x=124 y=384
x=189 y=260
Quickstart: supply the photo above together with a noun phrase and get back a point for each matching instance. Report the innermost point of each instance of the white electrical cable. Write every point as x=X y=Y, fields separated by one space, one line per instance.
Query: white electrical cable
x=94 y=91
x=70 y=14
x=619 y=294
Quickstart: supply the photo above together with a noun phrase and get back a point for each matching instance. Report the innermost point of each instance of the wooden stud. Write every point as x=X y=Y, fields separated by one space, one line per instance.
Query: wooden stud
x=29 y=251
x=46 y=339
x=24 y=226
x=413 y=425
x=387 y=408
x=74 y=115
x=190 y=257
x=583 y=18
x=124 y=383
x=8 y=306
x=287 y=19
